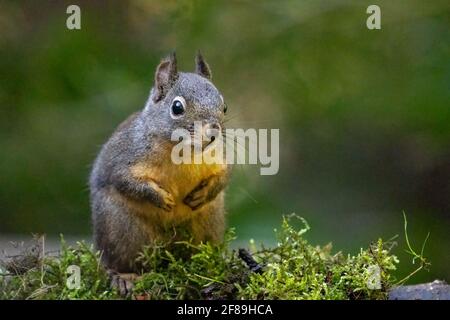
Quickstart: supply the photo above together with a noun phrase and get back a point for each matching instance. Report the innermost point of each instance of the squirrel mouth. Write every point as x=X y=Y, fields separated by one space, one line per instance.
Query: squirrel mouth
x=209 y=144
x=203 y=145
x=205 y=136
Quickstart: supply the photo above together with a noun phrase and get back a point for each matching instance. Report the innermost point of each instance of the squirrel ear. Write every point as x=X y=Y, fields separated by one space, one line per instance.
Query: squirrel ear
x=201 y=67
x=165 y=76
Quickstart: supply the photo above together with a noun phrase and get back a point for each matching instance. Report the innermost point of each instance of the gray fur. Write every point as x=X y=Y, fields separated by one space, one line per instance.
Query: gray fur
x=120 y=230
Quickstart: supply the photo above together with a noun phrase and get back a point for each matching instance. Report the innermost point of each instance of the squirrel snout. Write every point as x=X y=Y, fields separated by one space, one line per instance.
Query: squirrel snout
x=211 y=131
x=205 y=133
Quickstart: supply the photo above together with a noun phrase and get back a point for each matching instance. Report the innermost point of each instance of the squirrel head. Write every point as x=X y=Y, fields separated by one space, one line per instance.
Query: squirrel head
x=179 y=99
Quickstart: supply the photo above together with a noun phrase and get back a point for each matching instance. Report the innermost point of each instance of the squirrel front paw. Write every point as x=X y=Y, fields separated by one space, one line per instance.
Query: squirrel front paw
x=199 y=196
x=165 y=199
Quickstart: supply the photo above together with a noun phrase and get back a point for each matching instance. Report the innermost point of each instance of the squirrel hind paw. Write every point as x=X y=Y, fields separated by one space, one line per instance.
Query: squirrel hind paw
x=123 y=283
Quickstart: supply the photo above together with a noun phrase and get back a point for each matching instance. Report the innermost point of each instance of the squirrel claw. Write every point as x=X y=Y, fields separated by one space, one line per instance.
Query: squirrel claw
x=167 y=200
x=197 y=197
x=168 y=203
x=124 y=282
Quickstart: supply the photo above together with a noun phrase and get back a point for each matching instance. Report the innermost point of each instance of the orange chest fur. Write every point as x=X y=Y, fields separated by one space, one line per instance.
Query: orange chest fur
x=180 y=179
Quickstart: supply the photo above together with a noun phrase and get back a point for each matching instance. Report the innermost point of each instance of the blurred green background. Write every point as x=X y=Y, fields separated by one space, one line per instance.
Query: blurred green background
x=364 y=115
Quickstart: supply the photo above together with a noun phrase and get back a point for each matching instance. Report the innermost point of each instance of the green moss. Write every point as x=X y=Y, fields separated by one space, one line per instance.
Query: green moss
x=298 y=270
x=293 y=269
x=47 y=278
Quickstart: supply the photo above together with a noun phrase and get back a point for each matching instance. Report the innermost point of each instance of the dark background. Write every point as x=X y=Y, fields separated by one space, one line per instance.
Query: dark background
x=363 y=114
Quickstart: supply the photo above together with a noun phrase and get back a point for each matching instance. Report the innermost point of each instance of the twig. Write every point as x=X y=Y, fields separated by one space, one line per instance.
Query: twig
x=249 y=261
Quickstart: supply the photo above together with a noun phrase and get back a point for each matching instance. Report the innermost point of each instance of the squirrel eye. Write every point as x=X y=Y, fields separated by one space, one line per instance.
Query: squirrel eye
x=178 y=106
x=225 y=108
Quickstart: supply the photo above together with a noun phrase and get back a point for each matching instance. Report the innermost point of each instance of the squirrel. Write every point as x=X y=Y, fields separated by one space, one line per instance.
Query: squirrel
x=138 y=195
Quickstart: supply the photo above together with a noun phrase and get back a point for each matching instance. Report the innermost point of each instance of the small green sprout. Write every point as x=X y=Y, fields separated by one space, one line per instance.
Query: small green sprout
x=423 y=262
